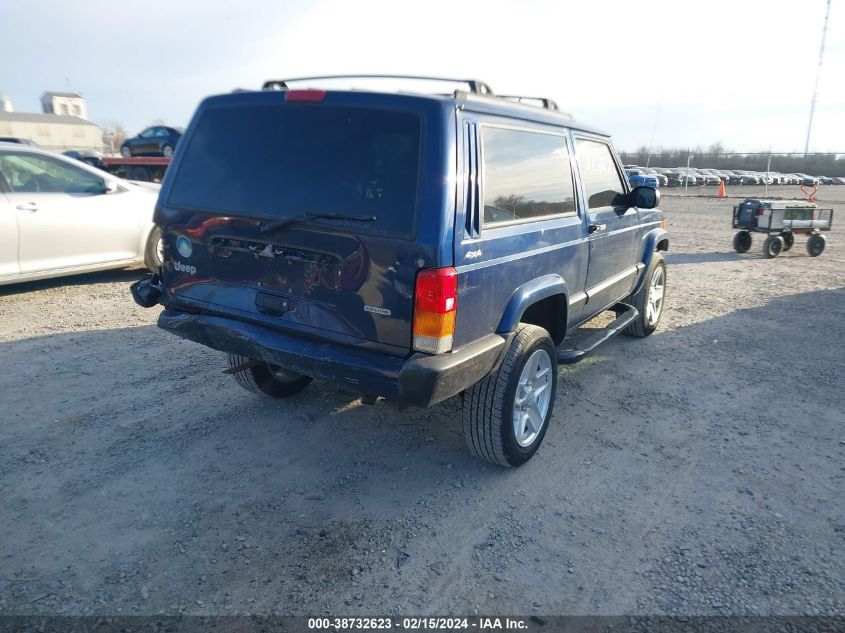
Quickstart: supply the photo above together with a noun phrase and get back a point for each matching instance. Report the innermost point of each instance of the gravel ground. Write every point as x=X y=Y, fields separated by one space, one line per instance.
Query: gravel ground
x=699 y=471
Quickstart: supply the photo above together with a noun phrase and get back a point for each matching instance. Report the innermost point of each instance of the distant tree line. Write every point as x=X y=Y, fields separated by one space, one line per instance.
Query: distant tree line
x=717 y=157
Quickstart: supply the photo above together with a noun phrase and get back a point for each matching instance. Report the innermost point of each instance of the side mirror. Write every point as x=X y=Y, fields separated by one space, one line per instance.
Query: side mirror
x=644 y=197
x=110 y=186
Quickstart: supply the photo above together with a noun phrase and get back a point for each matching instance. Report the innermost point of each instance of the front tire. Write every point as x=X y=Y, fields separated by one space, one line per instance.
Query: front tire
x=815 y=245
x=125 y=151
x=167 y=150
x=773 y=246
x=788 y=240
x=506 y=414
x=268 y=379
x=648 y=300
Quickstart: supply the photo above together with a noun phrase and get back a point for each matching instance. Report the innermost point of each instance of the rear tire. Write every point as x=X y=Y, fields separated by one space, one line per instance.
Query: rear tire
x=649 y=299
x=742 y=241
x=167 y=150
x=154 y=250
x=506 y=414
x=773 y=246
x=268 y=379
x=816 y=244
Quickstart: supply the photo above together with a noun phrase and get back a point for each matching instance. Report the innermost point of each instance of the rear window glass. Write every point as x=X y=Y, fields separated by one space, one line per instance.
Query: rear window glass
x=526 y=175
x=279 y=161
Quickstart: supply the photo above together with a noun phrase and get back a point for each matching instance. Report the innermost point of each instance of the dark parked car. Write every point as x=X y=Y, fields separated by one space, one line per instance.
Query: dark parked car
x=674 y=178
x=17 y=139
x=807 y=180
x=158 y=140
x=721 y=174
x=409 y=246
x=750 y=177
x=86 y=156
x=734 y=177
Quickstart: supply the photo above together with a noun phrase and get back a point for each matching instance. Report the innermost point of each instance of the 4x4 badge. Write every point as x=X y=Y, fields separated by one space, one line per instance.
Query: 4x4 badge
x=375 y=310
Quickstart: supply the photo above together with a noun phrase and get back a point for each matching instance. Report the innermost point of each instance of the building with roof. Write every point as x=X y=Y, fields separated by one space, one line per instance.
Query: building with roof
x=62 y=125
x=69 y=103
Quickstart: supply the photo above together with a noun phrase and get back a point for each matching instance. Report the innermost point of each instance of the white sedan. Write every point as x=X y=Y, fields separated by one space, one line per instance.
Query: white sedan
x=59 y=216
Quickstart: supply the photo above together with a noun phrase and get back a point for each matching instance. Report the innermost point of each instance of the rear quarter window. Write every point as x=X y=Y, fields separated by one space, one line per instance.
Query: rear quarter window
x=527 y=175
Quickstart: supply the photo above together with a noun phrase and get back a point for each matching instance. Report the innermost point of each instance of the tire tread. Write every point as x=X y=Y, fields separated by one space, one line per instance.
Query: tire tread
x=244 y=377
x=484 y=401
x=639 y=327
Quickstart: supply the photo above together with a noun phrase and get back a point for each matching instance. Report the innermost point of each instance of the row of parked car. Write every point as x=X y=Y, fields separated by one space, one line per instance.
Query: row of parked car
x=698 y=176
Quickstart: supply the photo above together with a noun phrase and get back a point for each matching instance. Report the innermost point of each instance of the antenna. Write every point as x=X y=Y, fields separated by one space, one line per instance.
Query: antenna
x=816 y=86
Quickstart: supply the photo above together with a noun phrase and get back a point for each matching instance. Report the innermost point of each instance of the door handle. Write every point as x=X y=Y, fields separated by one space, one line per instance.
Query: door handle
x=28 y=206
x=596 y=228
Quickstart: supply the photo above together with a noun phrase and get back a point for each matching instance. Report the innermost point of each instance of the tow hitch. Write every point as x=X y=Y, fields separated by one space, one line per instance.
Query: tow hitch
x=146 y=291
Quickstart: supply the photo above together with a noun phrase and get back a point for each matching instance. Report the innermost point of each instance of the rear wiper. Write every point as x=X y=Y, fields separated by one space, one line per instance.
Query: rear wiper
x=269 y=227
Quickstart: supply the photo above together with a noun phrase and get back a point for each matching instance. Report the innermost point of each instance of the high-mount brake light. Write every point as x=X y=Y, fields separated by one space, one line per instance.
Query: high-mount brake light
x=435 y=306
x=310 y=96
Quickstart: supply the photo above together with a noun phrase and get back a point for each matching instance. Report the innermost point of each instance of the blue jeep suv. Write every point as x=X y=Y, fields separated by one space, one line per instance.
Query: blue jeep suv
x=406 y=246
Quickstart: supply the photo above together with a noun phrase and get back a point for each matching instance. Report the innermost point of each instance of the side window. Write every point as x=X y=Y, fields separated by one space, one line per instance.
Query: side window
x=602 y=184
x=148 y=133
x=28 y=173
x=526 y=175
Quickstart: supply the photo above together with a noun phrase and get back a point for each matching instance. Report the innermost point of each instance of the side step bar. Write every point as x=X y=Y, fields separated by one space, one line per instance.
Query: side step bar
x=573 y=350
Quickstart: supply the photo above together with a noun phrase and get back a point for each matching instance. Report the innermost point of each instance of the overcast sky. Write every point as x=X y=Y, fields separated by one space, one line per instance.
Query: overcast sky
x=666 y=73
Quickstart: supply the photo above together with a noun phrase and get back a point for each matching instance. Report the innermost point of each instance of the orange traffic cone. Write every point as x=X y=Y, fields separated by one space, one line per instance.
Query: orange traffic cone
x=722 y=193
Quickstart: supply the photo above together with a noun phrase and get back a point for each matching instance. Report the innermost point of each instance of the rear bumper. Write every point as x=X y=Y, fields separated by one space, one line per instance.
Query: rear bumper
x=420 y=380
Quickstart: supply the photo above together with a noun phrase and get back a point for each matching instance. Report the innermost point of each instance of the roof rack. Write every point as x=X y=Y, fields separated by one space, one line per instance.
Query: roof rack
x=546 y=104
x=475 y=86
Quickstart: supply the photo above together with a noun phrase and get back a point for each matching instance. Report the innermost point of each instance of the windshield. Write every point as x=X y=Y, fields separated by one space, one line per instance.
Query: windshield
x=278 y=161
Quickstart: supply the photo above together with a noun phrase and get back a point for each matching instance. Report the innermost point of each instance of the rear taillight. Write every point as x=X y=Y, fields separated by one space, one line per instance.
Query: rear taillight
x=761 y=210
x=435 y=305
x=305 y=95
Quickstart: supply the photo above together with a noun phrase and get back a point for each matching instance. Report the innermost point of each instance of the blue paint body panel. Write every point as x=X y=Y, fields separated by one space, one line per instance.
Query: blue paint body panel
x=350 y=285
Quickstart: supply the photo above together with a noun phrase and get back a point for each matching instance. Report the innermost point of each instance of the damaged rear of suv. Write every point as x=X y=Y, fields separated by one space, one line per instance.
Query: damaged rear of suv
x=346 y=236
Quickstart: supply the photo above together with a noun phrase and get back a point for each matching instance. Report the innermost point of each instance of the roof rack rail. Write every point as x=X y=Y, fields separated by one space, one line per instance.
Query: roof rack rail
x=475 y=86
x=546 y=104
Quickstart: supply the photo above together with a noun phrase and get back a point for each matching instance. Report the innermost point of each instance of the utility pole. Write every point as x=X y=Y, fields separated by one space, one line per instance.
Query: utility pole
x=769 y=171
x=816 y=86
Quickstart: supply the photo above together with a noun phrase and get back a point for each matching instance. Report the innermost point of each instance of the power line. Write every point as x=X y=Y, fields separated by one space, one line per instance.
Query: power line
x=816 y=86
